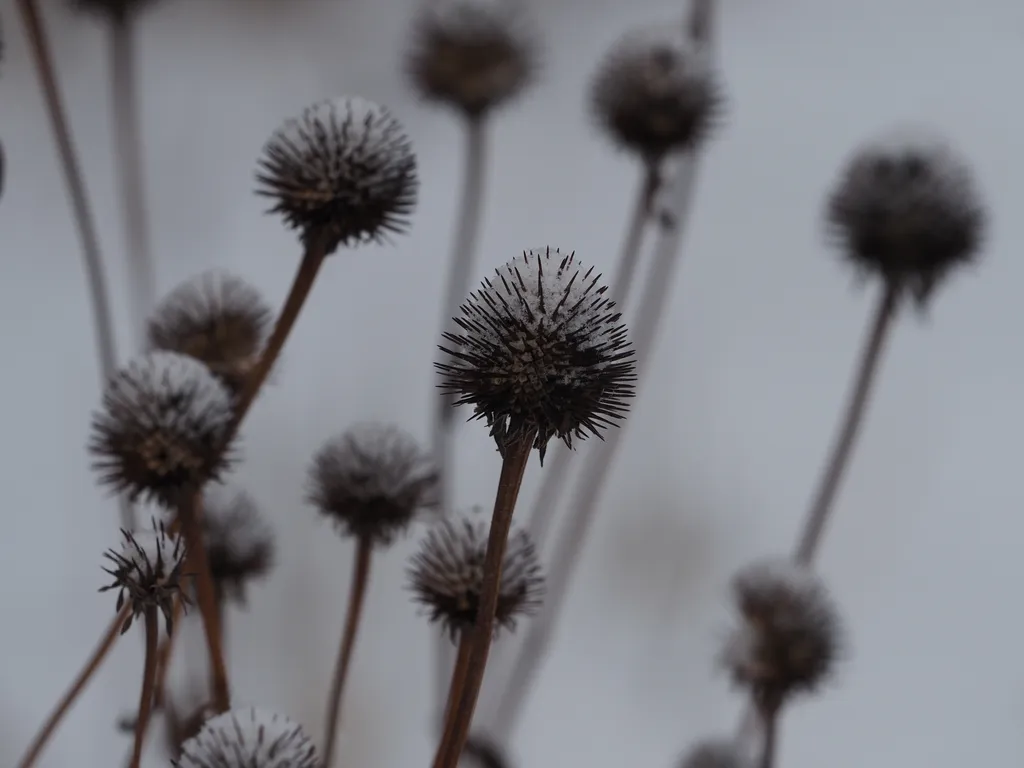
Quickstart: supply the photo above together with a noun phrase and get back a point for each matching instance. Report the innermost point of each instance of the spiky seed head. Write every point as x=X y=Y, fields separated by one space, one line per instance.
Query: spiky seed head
x=471 y=54
x=656 y=92
x=542 y=349
x=715 y=753
x=249 y=738
x=239 y=545
x=343 y=173
x=216 y=318
x=147 y=572
x=906 y=208
x=789 y=637
x=372 y=481
x=162 y=428
x=446 y=576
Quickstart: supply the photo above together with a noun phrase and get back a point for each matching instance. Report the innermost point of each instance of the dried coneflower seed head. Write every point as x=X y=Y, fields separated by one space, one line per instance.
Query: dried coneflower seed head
x=541 y=349
x=788 y=639
x=906 y=208
x=341 y=174
x=655 y=92
x=471 y=54
x=147 y=573
x=162 y=428
x=447 y=575
x=216 y=318
x=372 y=481
x=715 y=753
x=239 y=545
x=249 y=738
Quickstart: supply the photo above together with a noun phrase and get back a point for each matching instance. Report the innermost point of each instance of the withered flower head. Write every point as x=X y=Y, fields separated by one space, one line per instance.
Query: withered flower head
x=471 y=54
x=447 y=575
x=147 y=573
x=341 y=174
x=542 y=349
x=217 y=318
x=789 y=637
x=906 y=208
x=249 y=738
x=655 y=92
x=162 y=428
x=239 y=545
x=715 y=753
x=372 y=480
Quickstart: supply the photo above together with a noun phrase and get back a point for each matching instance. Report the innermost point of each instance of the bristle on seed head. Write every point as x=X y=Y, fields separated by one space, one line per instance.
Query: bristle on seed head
x=249 y=738
x=239 y=545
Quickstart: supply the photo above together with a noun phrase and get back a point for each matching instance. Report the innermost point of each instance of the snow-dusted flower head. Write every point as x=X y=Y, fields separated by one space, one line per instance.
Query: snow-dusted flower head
x=147 y=573
x=715 y=753
x=239 y=544
x=249 y=738
x=162 y=428
x=343 y=173
x=789 y=637
x=471 y=54
x=216 y=318
x=372 y=481
x=541 y=348
x=906 y=208
x=447 y=575
x=655 y=92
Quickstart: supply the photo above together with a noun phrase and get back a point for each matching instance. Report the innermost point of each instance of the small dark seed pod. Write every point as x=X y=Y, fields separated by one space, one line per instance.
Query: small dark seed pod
x=239 y=545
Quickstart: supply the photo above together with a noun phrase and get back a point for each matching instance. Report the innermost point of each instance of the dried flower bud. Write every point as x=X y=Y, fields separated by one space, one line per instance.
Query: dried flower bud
x=471 y=54
x=906 y=208
x=541 y=349
x=343 y=173
x=372 y=481
x=715 y=753
x=162 y=428
x=239 y=545
x=217 y=318
x=655 y=92
x=790 y=635
x=147 y=573
x=447 y=575
x=249 y=738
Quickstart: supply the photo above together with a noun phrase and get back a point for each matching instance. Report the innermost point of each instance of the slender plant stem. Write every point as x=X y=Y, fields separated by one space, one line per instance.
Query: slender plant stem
x=163 y=659
x=103 y=323
x=459 y=671
x=596 y=469
x=463 y=257
x=853 y=418
x=148 y=683
x=198 y=565
x=769 y=716
x=90 y=668
x=353 y=614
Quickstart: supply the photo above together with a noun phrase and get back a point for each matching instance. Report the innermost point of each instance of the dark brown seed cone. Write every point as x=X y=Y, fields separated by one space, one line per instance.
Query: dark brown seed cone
x=249 y=738
x=239 y=545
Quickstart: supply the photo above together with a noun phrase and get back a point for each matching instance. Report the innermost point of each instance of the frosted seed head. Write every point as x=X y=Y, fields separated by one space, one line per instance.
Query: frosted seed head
x=540 y=348
x=446 y=576
x=372 y=481
x=162 y=428
x=471 y=54
x=239 y=545
x=906 y=208
x=715 y=753
x=343 y=173
x=249 y=738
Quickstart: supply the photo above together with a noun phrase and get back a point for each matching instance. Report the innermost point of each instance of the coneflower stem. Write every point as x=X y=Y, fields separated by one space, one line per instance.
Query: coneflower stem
x=152 y=627
x=198 y=564
x=769 y=715
x=842 y=450
x=103 y=324
x=163 y=659
x=461 y=707
x=91 y=666
x=460 y=269
x=459 y=670
x=353 y=614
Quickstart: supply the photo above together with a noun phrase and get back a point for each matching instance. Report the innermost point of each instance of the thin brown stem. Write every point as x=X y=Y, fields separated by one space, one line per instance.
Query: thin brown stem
x=842 y=450
x=459 y=671
x=148 y=683
x=103 y=324
x=769 y=716
x=353 y=615
x=90 y=668
x=460 y=714
x=163 y=659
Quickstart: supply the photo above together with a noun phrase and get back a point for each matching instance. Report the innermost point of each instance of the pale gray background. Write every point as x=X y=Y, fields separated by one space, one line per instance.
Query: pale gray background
x=723 y=444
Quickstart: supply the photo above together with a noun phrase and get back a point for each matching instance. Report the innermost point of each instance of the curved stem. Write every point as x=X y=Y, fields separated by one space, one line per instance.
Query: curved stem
x=354 y=612
x=91 y=666
x=148 y=684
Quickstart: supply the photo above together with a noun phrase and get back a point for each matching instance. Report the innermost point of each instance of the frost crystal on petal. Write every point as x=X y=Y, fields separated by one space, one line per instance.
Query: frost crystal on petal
x=249 y=738
x=541 y=349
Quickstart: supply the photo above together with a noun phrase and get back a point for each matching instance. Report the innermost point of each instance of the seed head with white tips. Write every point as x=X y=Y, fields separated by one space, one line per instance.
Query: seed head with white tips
x=249 y=738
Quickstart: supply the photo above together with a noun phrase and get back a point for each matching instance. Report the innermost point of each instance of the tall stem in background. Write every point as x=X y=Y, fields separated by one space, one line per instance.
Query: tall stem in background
x=149 y=674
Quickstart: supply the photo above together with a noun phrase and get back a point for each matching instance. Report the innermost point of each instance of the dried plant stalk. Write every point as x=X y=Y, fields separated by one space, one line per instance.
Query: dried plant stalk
x=152 y=629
